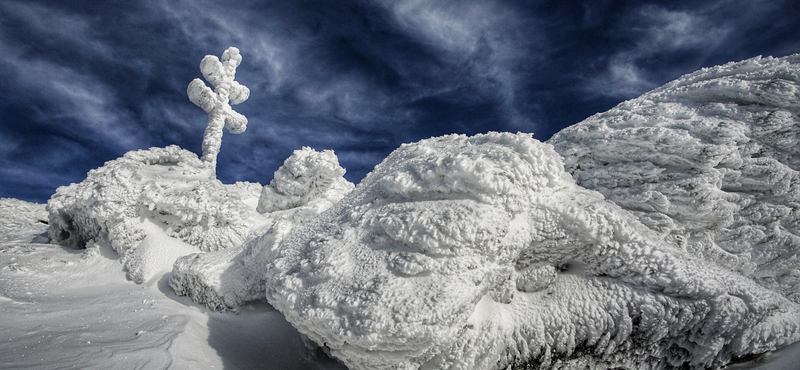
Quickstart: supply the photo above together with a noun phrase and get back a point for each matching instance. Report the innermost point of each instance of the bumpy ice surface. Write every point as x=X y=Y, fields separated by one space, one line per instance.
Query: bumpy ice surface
x=149 y=198
x=308 y=183
x=482 y=252
x=710 y=162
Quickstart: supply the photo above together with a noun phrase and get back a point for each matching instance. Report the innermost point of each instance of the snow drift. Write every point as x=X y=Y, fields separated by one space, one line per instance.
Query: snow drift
x=483 y=253
x=158 y=190
x=308 y=183
x=710 y=162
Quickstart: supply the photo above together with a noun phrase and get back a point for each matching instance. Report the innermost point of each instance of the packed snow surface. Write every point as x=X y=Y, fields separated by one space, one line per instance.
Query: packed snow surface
x=62 y=308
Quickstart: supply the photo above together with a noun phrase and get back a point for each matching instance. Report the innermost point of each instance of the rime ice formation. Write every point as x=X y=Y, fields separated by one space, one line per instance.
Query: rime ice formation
x=147 y=193
x=308 y=183
x=710 y=162
x=307 y=175
x=482 y=253
x=220 y=73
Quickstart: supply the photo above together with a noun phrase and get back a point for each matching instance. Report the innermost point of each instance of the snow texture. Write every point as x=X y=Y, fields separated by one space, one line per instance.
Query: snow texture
x=22 y=221
x=483 y=253
x=217 y=103
x=709 y=162
x=67 y=309
x=308 y=183
x=307 y=175
x=147 y=192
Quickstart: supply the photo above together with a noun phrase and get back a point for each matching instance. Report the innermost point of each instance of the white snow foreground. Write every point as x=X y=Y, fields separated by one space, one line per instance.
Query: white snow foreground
x=482 y=253
x=153 y=206
x=308 y=183
x=709 y=162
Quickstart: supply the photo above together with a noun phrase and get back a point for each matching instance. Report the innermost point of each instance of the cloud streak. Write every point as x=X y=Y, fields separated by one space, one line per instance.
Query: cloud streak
x=657 y=33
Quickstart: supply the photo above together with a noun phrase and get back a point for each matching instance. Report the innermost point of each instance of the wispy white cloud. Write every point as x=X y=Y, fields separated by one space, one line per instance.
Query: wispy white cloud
x=57 y=26
x=484 y=36
x=658 y=32
x=65 y=95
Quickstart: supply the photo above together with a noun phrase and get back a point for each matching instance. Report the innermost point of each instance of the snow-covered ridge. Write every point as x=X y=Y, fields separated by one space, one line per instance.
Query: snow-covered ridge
x=710 y=162
x=22 y=221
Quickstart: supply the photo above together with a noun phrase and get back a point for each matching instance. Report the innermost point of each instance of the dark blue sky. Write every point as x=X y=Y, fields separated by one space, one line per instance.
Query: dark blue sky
x=85 y=81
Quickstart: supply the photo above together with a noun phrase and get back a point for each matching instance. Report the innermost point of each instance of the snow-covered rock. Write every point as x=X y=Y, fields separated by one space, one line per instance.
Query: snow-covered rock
x=308 y=183
x=307 y=175
x=168 y=189
x=710 y=162
x=482 y=253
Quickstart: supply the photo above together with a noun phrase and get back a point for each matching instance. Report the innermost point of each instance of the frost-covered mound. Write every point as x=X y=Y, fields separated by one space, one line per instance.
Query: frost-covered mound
x=710 y=162
x=482 y=253
x=308 y=183
x=22 y=221
x=152 y=192
x=307 y=175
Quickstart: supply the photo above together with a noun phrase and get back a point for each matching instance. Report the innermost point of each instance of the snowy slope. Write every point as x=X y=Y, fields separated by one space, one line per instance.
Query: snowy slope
x=308 y=183
x=65 y=308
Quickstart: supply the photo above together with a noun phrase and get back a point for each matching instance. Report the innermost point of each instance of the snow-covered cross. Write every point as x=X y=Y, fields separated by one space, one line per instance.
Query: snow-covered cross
x=220 y=73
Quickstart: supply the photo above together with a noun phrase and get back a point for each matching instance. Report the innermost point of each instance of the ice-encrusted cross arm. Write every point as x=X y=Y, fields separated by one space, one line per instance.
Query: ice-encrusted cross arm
x=217 y=103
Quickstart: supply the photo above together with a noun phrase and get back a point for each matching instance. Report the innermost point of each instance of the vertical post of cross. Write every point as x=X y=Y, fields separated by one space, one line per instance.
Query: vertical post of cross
x=220 y=74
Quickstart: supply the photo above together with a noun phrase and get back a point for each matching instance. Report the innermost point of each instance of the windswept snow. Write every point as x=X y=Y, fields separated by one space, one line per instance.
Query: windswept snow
x=65 y=308
x=165 y=189
x=306 y=176
x=21 y=221
x=710 y=162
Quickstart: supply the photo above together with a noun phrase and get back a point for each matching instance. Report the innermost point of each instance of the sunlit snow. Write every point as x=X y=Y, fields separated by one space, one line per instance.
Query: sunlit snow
x=662 y=233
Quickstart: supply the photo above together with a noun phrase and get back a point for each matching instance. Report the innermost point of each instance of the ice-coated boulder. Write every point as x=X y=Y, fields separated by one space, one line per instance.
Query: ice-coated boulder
x=308 y=183
x=710 y=162
x=482 y=253
x=306 y=176
x=165 y=190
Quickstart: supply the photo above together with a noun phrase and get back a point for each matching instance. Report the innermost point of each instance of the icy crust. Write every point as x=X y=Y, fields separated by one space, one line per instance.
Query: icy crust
x=308 y=183
x=167 y=190
x=710 y=162
x=482 y=253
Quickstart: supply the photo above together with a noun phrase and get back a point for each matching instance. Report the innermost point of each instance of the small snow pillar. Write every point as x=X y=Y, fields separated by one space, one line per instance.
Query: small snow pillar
x=217 y=103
